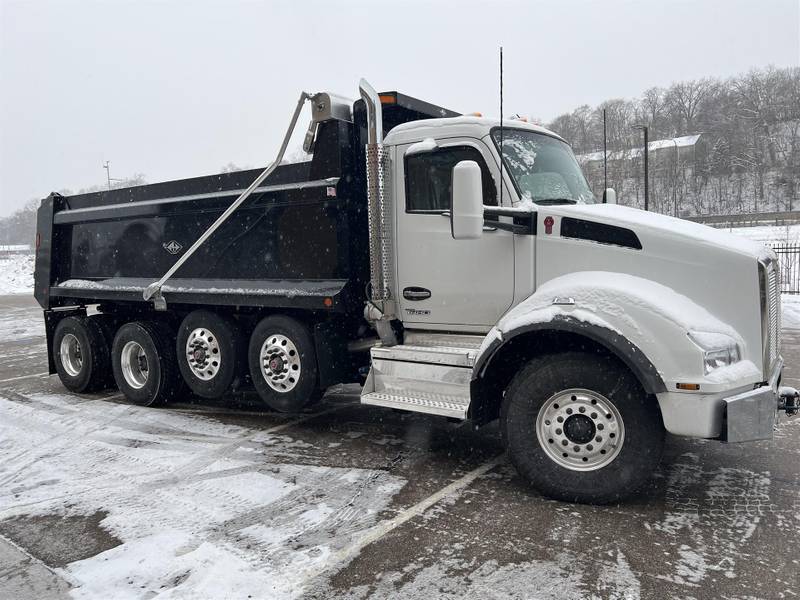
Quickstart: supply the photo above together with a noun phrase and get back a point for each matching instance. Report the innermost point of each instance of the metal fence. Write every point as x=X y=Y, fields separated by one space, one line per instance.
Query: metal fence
x=789 y=262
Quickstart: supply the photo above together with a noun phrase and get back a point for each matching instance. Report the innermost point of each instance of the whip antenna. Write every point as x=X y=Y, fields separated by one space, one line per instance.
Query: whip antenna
x=501 y=127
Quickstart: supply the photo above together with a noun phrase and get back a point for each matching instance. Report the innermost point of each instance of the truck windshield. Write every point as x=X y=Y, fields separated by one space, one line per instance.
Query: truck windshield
x=543 y=168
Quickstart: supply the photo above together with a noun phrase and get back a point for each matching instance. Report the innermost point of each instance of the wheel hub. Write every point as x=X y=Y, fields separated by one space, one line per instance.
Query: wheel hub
x=70 y=354
x=203 y=353
x=580 y=429
x=280 y=363
x=276 y=365
x=133 y=362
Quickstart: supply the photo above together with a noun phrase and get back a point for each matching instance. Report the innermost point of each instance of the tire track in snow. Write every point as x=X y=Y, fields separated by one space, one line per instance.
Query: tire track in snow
x=348 y=553
x=719 y=528
x=196 y=465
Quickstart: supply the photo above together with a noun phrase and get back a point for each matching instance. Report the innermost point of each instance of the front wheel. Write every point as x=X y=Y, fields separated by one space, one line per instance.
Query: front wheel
x=580 y=427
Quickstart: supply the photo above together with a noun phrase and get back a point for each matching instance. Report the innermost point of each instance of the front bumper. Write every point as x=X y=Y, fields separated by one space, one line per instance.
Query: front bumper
x=751 y=415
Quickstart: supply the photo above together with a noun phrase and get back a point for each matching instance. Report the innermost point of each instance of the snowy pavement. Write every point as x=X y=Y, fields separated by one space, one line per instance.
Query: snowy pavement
x=101 y=499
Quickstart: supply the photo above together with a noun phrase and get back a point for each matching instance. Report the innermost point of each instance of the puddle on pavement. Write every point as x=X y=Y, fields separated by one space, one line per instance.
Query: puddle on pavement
x=57 y=540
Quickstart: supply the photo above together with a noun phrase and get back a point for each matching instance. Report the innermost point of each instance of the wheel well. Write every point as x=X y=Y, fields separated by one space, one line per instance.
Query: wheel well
x=489 y=386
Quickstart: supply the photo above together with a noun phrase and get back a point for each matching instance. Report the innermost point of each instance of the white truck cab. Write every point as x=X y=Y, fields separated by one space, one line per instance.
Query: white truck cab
x=588 y=328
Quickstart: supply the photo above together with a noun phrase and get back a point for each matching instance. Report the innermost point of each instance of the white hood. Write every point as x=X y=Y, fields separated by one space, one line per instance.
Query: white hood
x=643 y=222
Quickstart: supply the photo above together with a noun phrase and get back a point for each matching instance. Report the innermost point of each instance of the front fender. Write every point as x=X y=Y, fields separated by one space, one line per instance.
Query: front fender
x=643 y=322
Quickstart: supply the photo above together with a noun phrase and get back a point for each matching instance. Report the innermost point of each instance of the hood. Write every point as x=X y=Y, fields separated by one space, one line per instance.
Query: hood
x=717 y=270
x=667 y=228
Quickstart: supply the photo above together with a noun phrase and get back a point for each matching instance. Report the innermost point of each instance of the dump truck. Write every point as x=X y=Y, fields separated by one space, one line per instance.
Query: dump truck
x=452 y=264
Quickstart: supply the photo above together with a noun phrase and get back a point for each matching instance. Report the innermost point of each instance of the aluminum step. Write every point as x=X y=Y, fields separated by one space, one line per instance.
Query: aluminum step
x=435 y=404
x=439 y=355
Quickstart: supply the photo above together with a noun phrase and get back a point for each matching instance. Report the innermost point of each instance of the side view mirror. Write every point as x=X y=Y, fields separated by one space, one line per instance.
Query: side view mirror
x=466 y=203
x=609 y=196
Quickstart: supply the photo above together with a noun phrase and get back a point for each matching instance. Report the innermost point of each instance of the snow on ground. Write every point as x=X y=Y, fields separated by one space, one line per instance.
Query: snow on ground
x=791 y=311
x=770 y=234
x=736 y=501
x=20 y=323
x=203 y=509
x=16 y=274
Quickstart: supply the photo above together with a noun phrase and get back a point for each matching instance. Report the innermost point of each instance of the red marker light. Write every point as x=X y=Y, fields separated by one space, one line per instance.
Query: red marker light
x=548 y=224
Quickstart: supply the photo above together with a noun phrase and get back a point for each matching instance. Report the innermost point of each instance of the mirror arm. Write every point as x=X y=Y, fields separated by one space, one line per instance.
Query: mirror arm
x=524 y=222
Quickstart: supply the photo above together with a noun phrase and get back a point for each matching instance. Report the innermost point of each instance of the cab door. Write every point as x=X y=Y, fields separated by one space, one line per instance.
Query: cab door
x=442 y=282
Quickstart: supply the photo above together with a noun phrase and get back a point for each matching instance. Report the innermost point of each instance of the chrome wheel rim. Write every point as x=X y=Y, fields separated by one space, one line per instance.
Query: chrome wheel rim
x=280 y=363
x=134 y=365
x=203 y=354
x=580 y=430
x=71 y=356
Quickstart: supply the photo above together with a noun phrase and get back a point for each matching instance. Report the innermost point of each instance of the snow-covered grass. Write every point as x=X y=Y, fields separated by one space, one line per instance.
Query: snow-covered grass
x=16 y=274
x=770 y=234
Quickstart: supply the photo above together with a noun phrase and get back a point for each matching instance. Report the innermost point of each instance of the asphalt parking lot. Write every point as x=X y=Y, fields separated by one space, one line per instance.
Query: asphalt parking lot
x=101 y=499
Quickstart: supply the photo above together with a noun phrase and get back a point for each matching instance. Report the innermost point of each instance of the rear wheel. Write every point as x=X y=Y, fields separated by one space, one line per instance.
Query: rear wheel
x=580 y=427
x=283 y=363
x=209 y=351
x=81 y=354
x=144 y=365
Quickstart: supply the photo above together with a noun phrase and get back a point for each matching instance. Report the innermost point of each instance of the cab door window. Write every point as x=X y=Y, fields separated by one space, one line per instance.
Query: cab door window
x=429 y=178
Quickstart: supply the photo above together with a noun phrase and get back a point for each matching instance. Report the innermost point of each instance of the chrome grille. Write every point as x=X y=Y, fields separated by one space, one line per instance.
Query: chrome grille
x=770 y=312
x=773 y=286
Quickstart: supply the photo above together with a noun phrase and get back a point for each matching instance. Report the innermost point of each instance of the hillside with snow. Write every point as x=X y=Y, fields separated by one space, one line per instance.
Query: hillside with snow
x=16 y=274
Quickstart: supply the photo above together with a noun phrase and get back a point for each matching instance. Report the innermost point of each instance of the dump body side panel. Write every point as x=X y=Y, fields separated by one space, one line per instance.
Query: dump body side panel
x=295 y=238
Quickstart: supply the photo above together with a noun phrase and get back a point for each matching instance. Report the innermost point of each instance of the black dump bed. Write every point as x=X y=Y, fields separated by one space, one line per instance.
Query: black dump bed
x=299 y=241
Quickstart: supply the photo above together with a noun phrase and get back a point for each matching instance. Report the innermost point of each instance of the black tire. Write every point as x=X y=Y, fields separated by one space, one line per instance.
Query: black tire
x=539 y=385
x=85 y=364
x=300 y=390
x=161 y=380
x=217 y=342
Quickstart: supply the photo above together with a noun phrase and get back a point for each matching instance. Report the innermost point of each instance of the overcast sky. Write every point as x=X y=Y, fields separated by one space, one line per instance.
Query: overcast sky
x=176 y=89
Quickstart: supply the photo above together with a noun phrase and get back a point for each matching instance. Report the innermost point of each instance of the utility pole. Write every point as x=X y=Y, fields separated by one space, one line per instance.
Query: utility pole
x=646 y=173
x=108 y=174
x=675 y=181
x=605 y=157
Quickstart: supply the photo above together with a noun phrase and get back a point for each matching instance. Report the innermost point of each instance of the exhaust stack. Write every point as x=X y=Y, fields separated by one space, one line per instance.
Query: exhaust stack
x=380 y=309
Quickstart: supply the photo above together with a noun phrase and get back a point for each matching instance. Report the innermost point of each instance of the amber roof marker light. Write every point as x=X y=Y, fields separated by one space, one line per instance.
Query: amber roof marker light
x=688 y=386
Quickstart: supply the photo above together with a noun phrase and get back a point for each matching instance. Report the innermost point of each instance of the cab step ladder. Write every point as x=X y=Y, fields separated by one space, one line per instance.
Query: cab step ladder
x=430 y=374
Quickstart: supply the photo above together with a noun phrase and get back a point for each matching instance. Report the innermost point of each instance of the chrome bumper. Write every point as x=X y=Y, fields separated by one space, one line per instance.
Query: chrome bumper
x=752 y=415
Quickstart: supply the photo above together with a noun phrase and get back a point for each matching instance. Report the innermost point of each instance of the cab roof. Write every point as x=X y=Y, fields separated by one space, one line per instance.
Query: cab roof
x=457 y=126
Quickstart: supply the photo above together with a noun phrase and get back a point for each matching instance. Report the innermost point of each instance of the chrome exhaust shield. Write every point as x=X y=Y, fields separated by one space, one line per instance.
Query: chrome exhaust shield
x=380 y=308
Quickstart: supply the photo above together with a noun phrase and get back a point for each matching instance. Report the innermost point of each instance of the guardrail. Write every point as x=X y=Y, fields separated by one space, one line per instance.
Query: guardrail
x=15 y=249
x=749 y=219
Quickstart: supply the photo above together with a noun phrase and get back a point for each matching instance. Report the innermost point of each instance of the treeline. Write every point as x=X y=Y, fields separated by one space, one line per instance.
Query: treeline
x=20 y=227
x=747 y=158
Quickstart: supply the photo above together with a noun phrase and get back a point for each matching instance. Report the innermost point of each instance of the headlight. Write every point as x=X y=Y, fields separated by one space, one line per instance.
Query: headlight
x=719 y=350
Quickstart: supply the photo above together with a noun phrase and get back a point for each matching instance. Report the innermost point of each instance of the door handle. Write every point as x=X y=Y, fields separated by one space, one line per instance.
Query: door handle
x=416 y=293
